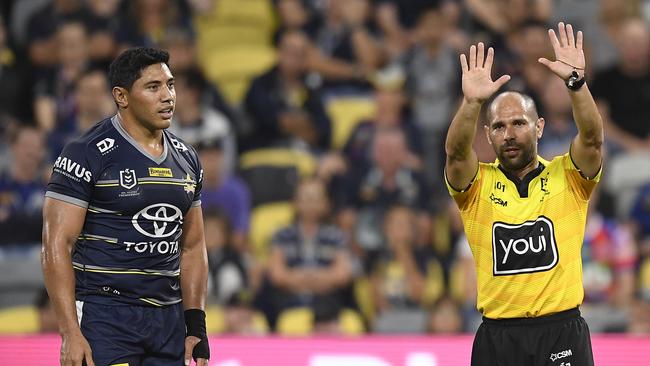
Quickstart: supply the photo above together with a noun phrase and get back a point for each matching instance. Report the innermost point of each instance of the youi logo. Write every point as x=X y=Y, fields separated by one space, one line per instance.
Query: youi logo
x=524 y=248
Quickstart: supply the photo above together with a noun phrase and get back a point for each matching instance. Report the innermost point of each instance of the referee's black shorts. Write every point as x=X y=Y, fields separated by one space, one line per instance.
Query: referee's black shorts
x=560 y=339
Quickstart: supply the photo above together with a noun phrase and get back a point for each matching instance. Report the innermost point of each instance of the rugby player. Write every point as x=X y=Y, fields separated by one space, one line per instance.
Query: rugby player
x=124 y=255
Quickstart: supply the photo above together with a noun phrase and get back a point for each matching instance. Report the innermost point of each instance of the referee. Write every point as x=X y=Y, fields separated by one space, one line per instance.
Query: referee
x=524 y=217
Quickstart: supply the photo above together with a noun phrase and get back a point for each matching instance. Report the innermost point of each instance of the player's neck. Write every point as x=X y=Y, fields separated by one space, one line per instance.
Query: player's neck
x=150 y=140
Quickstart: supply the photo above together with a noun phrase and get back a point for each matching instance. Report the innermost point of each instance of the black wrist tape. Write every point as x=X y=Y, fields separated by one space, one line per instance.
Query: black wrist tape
x=195 y=326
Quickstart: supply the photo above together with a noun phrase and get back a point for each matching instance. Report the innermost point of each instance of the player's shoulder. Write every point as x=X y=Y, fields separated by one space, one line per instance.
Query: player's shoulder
x=98 y=140
x=181 y=147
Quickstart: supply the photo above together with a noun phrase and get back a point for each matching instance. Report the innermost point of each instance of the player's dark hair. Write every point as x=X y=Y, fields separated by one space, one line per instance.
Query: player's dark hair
x=128 y=66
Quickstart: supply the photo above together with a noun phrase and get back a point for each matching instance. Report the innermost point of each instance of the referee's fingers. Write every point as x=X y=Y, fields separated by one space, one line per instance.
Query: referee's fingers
x=89 y=358
x=201 y=362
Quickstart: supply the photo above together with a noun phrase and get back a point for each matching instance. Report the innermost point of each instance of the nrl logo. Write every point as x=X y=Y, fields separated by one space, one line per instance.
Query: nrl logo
x=128 y=178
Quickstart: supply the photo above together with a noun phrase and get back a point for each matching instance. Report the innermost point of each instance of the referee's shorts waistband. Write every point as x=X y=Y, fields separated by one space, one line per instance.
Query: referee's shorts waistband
x=544 y=319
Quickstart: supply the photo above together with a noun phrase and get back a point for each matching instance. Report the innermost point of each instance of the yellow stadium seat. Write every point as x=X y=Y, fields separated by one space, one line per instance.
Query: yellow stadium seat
x=215 y=320
x=234 y=43
x=303 y=161
x=345 y=113
x=266 y=219
x=363 y=297
x=300 y=322
x=19 y=320
x=644 y=275
x=434 y=285
x=295 y=322
x=351 y=322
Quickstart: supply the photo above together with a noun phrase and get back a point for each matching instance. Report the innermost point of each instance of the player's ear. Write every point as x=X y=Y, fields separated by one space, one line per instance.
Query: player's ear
x=120 y=95
x=539 y=127
x=486 y=128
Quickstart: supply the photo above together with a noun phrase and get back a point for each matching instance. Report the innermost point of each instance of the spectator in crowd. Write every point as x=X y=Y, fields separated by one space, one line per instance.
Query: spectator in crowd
x=390 y=102
x=348 y=49
x=14 y=93
x=43 y=26
x=446 y=317
x=640 y=217
x=368 y=193
x=433 y=86
x=92 y=102
x=559 y=127
x=103 y=24
x=401 y=276
x=283 y=108
x=54 y=102
x=609 y=256
x=229 y=270
x=241 y=318
x=495 y=18
x=196 y=121
x=22 y=189
x=148 y=20
x=398 y=21
x=309 y=262
x=181 y=45
x=224 y=191
x=622 y=91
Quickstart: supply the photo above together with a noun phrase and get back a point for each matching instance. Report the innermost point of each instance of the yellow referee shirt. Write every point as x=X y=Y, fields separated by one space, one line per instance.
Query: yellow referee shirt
x=526 y=238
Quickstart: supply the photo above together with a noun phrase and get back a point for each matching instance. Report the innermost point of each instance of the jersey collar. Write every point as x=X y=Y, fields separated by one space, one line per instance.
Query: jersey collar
x=117 y=123
x=522 y=184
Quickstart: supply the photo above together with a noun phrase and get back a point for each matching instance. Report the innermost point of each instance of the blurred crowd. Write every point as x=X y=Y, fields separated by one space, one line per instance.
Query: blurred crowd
x=320 y=125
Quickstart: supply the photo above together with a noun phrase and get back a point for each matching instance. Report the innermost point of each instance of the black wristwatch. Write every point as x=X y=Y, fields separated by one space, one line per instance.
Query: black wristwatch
x=574 y=82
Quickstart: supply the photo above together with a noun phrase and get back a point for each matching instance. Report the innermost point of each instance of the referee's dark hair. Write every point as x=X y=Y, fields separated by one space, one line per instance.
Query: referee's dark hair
x=128 y=66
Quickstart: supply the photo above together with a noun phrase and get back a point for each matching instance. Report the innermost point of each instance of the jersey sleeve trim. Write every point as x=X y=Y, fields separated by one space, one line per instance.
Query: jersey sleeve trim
x=595 y=177
x=453 y=190
x=66 y=198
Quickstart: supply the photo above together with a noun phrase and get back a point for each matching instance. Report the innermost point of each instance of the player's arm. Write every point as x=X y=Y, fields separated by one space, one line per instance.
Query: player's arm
x=586 y=149
x=62 y=223
x=194 y=285
x=462 y=163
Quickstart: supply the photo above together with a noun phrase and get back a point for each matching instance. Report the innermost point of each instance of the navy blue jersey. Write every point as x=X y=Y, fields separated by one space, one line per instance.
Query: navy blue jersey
x=301 y=253
x=129 y=248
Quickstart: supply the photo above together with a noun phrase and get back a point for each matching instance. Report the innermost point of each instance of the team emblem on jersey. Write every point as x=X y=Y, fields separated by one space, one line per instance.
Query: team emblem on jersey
x=105 y=145
x=178 y=145
x=128 y=178
x=524 y=248
x=159 y=220
x=190 y=184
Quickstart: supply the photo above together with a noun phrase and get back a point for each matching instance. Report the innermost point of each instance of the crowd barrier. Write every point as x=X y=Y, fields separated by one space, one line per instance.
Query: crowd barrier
x=335 y=351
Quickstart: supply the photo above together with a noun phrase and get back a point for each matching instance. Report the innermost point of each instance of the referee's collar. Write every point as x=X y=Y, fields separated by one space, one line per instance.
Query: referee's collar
x=522 y=184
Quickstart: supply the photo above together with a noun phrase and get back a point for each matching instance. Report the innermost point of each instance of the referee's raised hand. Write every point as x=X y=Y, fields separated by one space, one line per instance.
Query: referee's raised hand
x=569 y=55
x=477 y=80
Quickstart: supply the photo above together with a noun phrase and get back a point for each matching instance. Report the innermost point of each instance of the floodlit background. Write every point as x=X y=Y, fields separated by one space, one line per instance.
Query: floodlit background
x=355 y=93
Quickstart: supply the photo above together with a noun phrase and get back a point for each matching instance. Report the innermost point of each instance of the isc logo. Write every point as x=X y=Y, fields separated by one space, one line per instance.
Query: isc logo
x=524 y=248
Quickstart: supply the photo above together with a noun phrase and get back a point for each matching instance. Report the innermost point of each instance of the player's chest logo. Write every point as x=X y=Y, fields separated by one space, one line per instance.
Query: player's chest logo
x=128 y=179
x=524 y=248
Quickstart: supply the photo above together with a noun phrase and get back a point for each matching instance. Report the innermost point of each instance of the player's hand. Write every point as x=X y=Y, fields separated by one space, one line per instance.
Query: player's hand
x=477 y=81
x=75 y=350
x=568 y=52
x=190 y=343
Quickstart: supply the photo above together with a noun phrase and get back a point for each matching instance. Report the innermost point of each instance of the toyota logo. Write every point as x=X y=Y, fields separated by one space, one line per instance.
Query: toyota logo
x=161 y=220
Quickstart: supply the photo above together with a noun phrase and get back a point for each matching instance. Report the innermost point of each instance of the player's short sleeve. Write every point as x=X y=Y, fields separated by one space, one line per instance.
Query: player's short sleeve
x=581 y=185
x=74 y=175
x=470 y=193
x=196 y=164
